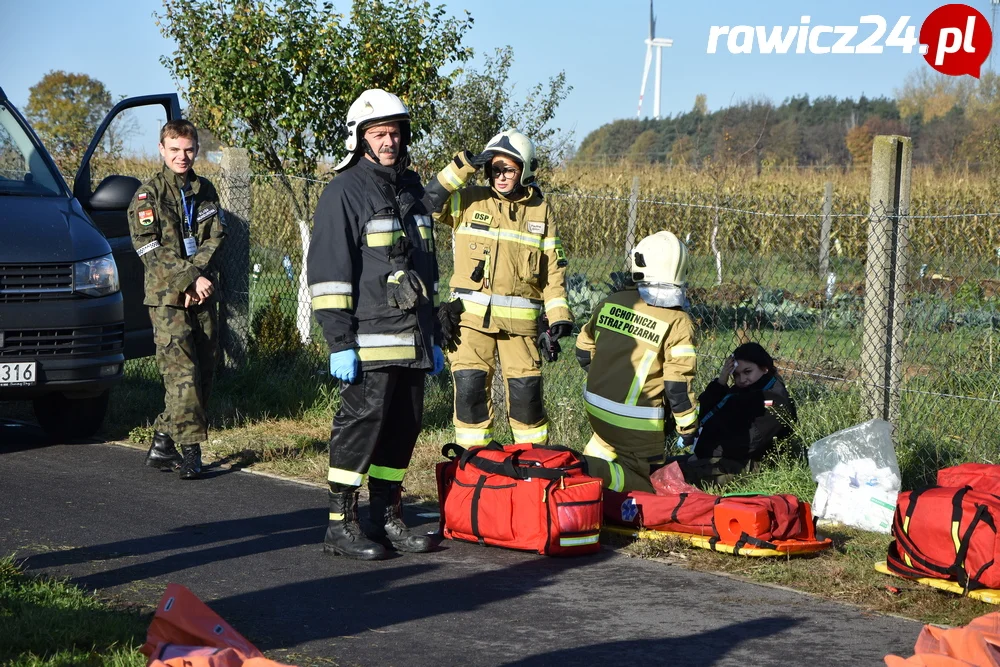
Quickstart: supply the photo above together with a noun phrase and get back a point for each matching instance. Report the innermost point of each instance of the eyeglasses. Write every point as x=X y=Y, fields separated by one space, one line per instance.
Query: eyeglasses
x=504 y=172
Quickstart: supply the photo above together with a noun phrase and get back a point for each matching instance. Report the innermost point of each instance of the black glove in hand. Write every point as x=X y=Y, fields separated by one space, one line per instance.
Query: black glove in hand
x=449 y=315
x=560 y=329
x=548 y=346
x=403 y=289
x=478 y=160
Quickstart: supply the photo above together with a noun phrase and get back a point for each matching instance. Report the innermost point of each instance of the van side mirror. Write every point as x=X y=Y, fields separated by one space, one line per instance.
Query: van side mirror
x=114 y=193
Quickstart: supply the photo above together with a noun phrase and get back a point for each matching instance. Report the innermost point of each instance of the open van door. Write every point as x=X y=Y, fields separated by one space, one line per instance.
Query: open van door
x=107 y=205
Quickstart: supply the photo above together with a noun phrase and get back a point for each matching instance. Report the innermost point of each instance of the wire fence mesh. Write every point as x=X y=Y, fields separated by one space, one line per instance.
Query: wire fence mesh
x=852 y=319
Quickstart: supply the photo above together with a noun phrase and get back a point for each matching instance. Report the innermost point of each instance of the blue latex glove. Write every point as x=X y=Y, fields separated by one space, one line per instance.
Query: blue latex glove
x=438 y=360
x=344 y=365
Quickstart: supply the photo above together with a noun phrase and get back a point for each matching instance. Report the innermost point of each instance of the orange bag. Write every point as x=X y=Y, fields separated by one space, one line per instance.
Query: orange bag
x=975 y=645
x=186 y=633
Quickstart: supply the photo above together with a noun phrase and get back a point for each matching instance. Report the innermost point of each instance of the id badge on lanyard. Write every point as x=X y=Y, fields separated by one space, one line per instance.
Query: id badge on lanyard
x=190 y=242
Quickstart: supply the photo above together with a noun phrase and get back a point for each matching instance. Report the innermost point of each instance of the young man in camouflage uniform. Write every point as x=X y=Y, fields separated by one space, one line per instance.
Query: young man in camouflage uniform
x=177 y=225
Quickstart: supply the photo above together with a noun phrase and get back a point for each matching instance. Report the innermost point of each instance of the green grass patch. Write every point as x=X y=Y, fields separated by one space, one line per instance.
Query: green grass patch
x=48 y=622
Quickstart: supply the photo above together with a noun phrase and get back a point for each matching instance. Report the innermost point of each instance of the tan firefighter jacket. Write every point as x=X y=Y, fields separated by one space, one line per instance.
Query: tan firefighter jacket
x=641 y=371
x=509 y=261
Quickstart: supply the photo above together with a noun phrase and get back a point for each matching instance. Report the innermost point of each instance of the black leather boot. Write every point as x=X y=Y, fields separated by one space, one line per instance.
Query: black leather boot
x=162 y=452
x=344 y=536
x=386 y=509
x=191 y=465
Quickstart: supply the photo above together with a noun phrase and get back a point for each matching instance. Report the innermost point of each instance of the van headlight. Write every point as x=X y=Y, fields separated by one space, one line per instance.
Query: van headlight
x=96 y=277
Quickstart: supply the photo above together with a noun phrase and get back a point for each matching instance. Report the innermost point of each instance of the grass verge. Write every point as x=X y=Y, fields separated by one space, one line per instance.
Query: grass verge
x=51 y=623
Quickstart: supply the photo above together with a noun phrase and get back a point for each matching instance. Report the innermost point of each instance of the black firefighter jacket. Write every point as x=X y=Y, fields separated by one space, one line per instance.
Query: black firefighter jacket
x=361 y=214
x=742 y=424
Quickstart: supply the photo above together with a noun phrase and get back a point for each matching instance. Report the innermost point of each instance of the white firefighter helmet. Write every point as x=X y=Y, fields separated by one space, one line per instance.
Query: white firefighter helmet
x=519 y=147
x=660 y=258
x=372 y=106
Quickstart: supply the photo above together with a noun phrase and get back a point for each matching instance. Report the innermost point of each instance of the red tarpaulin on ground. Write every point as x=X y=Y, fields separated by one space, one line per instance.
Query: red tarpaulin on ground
x=186 y=633
x=974 y=645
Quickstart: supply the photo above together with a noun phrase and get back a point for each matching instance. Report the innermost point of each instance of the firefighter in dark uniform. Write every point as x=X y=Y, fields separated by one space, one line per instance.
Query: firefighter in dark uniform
x=639 y=352
x=373 y=281
x=177 y=226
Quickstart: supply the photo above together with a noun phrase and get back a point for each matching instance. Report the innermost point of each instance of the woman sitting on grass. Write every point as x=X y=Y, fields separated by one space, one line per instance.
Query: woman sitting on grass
x=739 y=424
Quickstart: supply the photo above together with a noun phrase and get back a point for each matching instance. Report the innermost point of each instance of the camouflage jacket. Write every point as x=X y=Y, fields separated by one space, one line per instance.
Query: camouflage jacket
x=158 y=226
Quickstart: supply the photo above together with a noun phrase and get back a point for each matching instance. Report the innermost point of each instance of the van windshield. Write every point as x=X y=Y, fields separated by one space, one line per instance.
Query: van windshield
x=23 y=170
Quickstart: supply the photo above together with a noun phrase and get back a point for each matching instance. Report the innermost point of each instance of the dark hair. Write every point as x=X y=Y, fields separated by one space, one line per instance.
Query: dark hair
x=755 y=354
x=179 y=127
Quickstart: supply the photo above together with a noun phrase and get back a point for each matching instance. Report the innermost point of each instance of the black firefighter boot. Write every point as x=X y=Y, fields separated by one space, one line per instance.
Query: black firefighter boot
x=191 y=465
x=162 y=452
x=344 y=536
x=386 y=508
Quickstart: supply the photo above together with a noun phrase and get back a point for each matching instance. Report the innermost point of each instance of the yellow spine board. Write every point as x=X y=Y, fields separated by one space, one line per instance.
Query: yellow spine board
x=705 y=542
x=987 y=595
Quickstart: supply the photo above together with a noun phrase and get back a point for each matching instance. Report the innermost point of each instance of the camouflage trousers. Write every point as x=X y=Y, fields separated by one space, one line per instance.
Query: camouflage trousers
x=187 y=344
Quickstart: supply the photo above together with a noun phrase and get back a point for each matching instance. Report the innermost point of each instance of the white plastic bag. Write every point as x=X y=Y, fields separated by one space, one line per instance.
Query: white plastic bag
x=857 y=476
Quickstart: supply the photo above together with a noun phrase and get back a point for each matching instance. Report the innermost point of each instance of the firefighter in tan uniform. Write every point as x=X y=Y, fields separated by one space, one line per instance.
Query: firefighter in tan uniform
x=509 y=272
x=639 y=353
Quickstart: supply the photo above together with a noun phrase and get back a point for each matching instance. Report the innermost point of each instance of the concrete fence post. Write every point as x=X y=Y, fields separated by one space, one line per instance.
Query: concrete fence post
x=235 y=186
x=824 y=232
x=885 y=277
x=633 y=220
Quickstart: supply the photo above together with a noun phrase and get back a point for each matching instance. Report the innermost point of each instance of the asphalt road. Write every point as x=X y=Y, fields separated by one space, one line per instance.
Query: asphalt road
x=248 y=545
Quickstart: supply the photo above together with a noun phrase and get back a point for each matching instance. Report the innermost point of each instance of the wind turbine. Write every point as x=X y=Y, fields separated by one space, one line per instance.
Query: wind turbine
x=993 y=27
x=658 y=43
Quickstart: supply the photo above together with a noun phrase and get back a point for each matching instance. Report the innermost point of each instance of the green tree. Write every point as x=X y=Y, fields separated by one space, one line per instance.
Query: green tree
x=643 y=149
x=683 y=151
x=701 y=104
x=929 y=95
x=65 y=109
x=482 y=103
x=277 y=78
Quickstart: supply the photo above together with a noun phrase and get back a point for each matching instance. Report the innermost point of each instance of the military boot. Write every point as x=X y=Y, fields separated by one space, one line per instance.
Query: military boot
x=191 y=465
x=386 y=511
x=344 y=536
x=162 y=452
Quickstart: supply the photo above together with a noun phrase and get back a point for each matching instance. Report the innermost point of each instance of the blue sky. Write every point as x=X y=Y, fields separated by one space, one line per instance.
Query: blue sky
x=598 y=43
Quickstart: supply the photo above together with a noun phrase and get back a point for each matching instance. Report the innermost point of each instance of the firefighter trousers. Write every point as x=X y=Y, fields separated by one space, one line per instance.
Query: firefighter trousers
x=618 y=468
x=473 y=363
x=376 y=427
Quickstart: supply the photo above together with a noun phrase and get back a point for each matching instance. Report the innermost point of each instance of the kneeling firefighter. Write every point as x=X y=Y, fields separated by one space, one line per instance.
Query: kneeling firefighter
x=509 y=277
x=372 y=275
x=639 y=353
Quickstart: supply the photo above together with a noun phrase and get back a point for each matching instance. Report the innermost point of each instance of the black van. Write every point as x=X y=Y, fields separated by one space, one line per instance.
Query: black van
x=71 y=285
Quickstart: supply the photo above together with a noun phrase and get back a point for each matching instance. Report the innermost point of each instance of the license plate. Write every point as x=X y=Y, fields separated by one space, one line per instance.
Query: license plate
x=20 y=374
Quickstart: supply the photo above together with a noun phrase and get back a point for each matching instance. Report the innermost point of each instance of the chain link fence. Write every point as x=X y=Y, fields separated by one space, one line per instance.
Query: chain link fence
x=901 y=324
